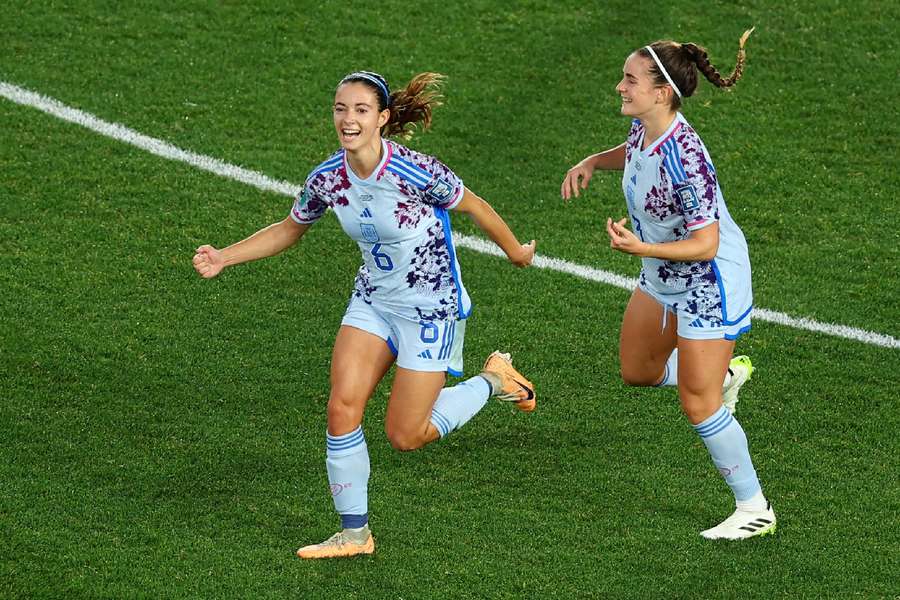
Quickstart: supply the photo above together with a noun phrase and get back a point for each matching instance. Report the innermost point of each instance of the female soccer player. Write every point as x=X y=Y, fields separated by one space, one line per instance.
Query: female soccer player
x=694 y=297
x=408 y=304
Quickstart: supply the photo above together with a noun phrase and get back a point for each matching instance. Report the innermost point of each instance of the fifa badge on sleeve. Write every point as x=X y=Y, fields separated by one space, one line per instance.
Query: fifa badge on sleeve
x=440 y=190
x=687 y=196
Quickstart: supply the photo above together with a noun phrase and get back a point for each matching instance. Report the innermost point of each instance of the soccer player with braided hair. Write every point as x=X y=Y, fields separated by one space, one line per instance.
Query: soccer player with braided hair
x=694 y=296
x=408 y=306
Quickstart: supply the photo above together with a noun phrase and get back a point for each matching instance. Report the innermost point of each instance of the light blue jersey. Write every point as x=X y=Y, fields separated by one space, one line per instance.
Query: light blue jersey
x=398 y=217
x=671 y=189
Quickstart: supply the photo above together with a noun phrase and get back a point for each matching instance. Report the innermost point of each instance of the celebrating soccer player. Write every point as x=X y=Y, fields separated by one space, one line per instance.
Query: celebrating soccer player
x=694 y=296
x=409 y=304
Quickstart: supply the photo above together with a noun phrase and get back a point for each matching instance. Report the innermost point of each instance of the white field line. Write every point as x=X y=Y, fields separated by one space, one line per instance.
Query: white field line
x=258 y=180
x=152 y=145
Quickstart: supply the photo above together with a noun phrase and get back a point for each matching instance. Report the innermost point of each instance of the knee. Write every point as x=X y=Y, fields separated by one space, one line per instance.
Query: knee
x=638 y=377
x=344 y=411
x=693 y=413
x=698 y=408
x=404 y=441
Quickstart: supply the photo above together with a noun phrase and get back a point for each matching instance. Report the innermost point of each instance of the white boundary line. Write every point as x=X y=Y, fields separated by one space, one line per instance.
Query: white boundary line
x=258 y=180
x=152 y=145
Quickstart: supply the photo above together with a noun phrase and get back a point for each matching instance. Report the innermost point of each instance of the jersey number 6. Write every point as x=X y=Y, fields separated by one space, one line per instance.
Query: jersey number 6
x=382 y=260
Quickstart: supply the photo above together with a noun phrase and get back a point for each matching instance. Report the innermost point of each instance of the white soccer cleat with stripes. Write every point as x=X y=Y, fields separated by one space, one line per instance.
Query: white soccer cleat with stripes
x=743 y=524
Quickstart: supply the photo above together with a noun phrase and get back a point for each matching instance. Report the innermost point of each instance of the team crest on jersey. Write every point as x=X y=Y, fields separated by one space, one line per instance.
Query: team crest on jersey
x=687 y=195
x=440 y=190
x=369 y=233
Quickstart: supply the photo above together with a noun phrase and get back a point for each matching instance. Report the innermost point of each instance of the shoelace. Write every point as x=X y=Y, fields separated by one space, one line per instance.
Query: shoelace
x=335 y=540
x=509 y=397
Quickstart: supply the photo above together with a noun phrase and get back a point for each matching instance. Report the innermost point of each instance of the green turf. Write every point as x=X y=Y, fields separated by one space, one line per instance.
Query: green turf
x=163 y=435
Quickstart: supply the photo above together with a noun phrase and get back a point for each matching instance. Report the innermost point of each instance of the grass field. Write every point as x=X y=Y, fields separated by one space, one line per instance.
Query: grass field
x=163 y=435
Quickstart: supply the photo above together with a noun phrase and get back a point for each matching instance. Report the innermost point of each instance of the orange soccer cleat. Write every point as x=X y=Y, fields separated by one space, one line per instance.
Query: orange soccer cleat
x=513 y=386
x=344 y=543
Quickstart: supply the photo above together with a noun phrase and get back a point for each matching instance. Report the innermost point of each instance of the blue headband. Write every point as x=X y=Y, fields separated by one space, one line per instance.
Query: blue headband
x=378 y=80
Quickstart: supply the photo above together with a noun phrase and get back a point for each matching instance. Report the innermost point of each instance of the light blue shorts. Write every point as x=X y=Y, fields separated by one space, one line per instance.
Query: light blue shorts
x=418 y=346
x=694 y=327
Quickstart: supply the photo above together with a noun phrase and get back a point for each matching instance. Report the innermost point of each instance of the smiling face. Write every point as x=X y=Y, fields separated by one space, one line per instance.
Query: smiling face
x=640 y=95
x=357 y=119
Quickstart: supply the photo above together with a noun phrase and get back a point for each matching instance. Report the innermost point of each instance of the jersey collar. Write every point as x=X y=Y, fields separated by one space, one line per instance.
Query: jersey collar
x=386 y=152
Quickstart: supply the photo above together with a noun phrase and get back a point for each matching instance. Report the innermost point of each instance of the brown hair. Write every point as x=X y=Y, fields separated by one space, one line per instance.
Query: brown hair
x=409 y=106
x=682 y=62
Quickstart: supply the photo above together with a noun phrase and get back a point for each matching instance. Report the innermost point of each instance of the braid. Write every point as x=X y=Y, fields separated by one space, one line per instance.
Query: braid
x=413 y=104
x=699 y=55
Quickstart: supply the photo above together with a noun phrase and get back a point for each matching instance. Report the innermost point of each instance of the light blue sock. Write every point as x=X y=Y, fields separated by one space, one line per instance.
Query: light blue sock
x=456 y=405
x=347 y=462
x=727 y=444
x=671 y=374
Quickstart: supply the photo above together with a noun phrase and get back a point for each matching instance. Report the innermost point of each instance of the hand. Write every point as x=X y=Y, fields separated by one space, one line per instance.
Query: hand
x=208 y=262
x=526 y=256
x=622 y=239
x=571 y=185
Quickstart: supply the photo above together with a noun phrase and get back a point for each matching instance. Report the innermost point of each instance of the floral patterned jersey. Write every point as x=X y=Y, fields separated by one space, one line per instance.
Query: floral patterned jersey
x=671 y=189
x=398 y=217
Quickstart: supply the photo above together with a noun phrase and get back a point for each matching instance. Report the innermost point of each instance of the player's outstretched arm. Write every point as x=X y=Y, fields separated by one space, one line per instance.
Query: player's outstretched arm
x=496 y=228
x=269 y=241
x=578 y=177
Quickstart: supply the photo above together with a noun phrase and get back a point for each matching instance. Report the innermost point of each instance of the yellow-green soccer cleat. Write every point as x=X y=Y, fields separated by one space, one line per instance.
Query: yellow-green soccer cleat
x=513 y=386
x=344 y=543
x=743 y=524
x=741 y=370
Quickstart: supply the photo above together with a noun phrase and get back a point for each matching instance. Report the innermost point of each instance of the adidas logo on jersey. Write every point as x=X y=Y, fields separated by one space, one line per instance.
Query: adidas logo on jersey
x=366 y=214
x=425 y=354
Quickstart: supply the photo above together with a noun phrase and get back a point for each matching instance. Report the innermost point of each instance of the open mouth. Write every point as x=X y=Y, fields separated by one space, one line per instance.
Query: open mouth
x=349 y=134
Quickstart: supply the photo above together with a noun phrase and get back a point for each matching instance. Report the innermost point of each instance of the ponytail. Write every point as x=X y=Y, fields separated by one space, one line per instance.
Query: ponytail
x=413 y=105
x=700 y=57
x=681 y=63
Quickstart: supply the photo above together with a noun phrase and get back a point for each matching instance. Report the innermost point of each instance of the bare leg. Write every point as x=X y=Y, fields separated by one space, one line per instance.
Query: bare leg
x=702 y=365
x=407 y=422
x=644 y=346
x=359 y=362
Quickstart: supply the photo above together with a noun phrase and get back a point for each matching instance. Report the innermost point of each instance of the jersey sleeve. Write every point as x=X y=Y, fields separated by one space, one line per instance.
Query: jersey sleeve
x=694 y=185
x=445 y=189
x=308 y=206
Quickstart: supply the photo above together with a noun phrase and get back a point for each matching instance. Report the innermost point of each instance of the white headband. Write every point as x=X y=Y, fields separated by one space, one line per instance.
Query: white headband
x=663 y=69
